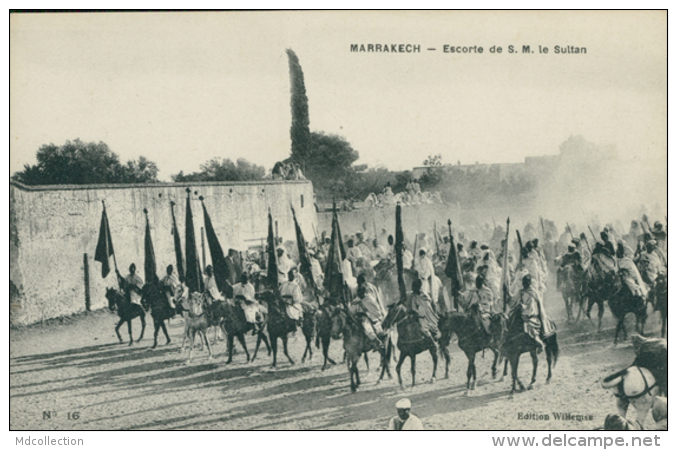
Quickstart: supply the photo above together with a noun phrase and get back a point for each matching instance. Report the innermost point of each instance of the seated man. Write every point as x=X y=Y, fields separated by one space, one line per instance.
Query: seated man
x=170 y=287
x=243 y=293
x=212 y=292
x=366 y=308
x=422 y=305
x=132 y=285
x=571 y=258
x=483 y=297
x=292 y=297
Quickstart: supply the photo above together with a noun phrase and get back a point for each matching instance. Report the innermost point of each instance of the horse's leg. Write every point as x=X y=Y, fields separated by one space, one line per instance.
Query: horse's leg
x=358 y=382
x=412 y=358
x=600 y=313
x=619 y=325
x=164 y=330
x=514 y=361
x=366 y=361
x=143 y=326
x=258 y=344
x=286 y=352
x=505 y=369
x=534 y=362
x=447 y=360
x=399 y=367
x=117 y=330
x=326 y=340
x=305 y=352
x=156 y=325
x=209 y=349
x=273 y=344
x=129 y=330
x=240 y=337
x=192 y=344
x=493 y=365
x=231 y=344
x=548 y=357
x=433 y=353
x=469 y=371
x=352 y=369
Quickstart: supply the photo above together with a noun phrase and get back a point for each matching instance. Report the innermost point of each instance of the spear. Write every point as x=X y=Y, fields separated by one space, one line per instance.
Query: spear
x=506 y=268
x=519 y=239
x=570 y=233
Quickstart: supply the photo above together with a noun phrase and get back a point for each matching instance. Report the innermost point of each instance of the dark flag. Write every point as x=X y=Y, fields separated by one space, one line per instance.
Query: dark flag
x=506 y=267
x=104 y=246
x=194 y=279
x=221 y=272
x=453 y=269
x=334 y=282
x=399 y=242
x=304 y=258
x=272 y=256
x=149 y=267
x=340 y=236
x=177 y=247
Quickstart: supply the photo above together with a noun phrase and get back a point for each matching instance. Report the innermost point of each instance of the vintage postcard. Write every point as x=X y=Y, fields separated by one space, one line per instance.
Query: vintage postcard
x=338 y=220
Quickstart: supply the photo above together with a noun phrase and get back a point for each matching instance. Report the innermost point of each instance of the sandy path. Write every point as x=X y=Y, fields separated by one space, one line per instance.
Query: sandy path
x=77 y=367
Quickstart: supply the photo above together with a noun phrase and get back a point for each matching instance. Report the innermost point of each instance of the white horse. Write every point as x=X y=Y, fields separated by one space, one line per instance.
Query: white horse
x=634 y=385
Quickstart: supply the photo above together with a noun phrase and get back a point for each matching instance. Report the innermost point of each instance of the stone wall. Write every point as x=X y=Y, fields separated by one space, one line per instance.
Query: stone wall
x=52 y=228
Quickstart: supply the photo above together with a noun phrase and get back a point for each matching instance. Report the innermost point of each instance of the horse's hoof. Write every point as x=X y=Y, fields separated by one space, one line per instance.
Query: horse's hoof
x=432 y=380
x=547 y=381
x=229 y=361
x=511 y=396
x=131 y=343
x=120 y=341
x=467 y=393
x=154 y=347
x=500 y=380
x=531 y=387
x=169 y=341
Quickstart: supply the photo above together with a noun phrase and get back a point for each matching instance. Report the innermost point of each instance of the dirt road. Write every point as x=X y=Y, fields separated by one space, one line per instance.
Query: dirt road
x=74 y=375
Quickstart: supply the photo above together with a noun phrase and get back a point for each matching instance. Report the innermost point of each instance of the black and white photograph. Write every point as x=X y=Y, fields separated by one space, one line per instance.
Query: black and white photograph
x=338 y=220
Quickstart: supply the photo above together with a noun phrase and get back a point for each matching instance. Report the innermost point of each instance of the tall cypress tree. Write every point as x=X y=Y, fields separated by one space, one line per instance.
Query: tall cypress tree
x=300 y=120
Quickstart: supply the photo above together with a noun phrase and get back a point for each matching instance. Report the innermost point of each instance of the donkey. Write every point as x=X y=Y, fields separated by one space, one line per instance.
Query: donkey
x=126 y=312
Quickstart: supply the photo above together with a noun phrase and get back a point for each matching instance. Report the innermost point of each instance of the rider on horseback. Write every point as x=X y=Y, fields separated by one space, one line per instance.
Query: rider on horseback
x=132 y=285
x=571 y=258
x=292 y=297
x=211 y=289
x=422 y=305
x=483 y=297
x=533 y=315
x=368 y=310
x=169 y=286
x=629 y=273
x=243 y=293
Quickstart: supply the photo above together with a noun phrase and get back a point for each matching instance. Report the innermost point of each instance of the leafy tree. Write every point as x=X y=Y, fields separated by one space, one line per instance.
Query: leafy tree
x=218 y=169
x=300 y=118
x=78 y=162
x=329 y=163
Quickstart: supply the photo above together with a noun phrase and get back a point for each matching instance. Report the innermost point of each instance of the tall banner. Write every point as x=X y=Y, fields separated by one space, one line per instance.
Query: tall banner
x=304 y=258
x=104 y=246
x=399 y=242
x=149 y=266
x=221 y=272
x=177 y=247
x=194 y=279
x=453 y=269
x=505 y=282
x=272 y=256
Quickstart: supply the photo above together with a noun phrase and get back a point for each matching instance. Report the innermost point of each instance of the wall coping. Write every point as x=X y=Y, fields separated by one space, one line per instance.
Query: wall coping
x=77 y=187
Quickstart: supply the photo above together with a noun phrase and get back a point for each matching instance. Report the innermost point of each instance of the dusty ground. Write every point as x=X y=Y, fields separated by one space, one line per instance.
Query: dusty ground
x=77 y=367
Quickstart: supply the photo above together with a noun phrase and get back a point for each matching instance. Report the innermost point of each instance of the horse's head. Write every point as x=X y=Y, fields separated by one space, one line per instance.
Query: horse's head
x=498 y=327
x=113 y=296
x=396 y=313
x=195 y=303
x=339 y=320
x=149 y=295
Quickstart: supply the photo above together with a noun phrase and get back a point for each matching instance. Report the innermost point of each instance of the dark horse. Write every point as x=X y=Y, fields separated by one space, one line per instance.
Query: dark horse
x=411 y=340
x=153 y=299
x=126 y=312
x=572 y=290
x=624 y=302
x=517 y=341
x=280 y=325
x=235 y=325
x=471 y=339
x=355 y=343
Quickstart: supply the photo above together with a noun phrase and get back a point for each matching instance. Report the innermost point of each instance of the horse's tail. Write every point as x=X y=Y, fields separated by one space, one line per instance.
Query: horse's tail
x=613 y=379
x=552 y=348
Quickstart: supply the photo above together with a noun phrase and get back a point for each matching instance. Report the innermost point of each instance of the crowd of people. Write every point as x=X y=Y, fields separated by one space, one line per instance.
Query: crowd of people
x=411 y=196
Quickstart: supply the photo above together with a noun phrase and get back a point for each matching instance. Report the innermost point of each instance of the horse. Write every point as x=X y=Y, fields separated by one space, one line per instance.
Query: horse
x=411 y=341
x=126 y=311
x=634 y=385
x=196 y=322
x=234 y=324
x=598 y=289
x=625 y=302
x=280 y=325
x=571 y=288
x=659 y=295
x=471 y=339
x=356 y=343
x=160 y=310
x=517 y=341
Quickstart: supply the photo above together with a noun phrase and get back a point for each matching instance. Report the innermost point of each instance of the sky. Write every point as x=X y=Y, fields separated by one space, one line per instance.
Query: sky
x=183 y=88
